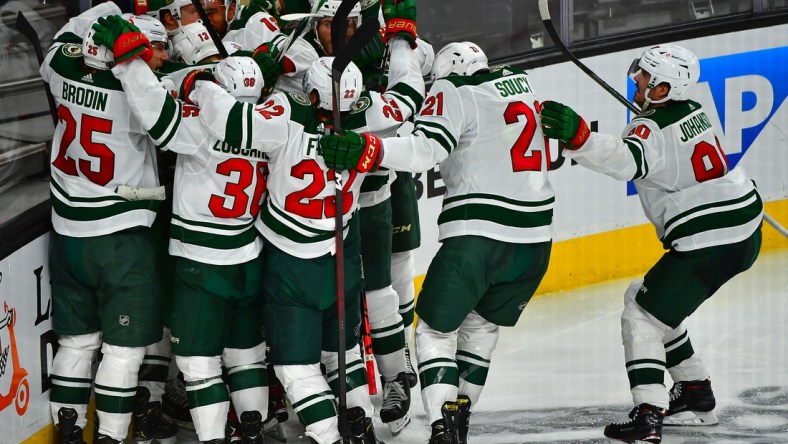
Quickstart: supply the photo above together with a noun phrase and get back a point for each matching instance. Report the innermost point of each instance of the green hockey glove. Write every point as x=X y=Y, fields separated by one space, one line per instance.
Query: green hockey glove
x=125 y=39
x=400 y=17
x=371 y=54
x=190 y=81
x=563 y=123
x=265 y=56
x=351 y=151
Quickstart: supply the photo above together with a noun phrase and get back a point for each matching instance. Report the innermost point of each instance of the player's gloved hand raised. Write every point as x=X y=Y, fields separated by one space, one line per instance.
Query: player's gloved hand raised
x=125 y=39
x=265 y=55
x=371 y=53
x=563 y=123
x=400 y=17
x=351 y=151
x=190 y=81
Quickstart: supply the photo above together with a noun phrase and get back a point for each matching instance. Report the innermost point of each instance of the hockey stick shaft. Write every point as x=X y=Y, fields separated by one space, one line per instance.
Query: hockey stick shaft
x=369 y=354
x=303 y=24
x=211 y=30
x=27 y=30
x=544 y=12
x=548 y=24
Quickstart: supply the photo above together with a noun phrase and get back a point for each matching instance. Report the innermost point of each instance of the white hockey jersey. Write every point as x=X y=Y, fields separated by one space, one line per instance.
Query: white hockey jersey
x=251 y=32
x=682 y=177
x=483 y=130
x=217 y=190
x=383 y=114
x=97 y=146
x=298 y=217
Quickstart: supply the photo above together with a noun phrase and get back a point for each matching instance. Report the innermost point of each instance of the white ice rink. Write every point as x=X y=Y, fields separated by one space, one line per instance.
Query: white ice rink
x=558 y=376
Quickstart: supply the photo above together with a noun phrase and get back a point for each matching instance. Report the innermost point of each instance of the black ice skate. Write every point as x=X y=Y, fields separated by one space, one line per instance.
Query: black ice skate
x=413 y=378
x=175 y=404
x=149 y=422
x=360 y=429
x=463 y=418
x=691 y=404
x=645 y=426
x=69 y=432
x=396 y=403
x=445 y=430
x=252 y=428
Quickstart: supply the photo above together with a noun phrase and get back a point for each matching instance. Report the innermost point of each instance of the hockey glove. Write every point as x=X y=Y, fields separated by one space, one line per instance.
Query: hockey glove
x=371 y=54
x=265 y=55
x=125 y=39
x=400 y=17
x=351 y=151
x=563 y=123
x=190 y=81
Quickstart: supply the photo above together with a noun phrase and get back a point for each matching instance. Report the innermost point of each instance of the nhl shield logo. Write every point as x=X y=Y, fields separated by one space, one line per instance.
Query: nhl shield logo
x=123 y=320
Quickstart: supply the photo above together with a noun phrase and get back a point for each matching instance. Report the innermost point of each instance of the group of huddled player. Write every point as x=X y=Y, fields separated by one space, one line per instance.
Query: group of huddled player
x=245 y=296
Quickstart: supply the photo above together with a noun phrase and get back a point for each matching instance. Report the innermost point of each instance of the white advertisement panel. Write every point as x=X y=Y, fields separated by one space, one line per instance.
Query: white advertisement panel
x=742 y=88
x=26 y=342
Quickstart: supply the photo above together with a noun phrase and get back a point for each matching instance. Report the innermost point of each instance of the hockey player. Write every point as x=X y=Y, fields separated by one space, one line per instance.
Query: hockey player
x=708 y=217
x=297 y=222
x=480 y=126
x=99 y=299
x=217 y=197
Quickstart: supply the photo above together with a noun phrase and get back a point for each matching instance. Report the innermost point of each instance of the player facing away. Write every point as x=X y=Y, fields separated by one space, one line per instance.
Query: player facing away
x=481 y=126
x=100 y=299
x=297 y=223
x=707 y=216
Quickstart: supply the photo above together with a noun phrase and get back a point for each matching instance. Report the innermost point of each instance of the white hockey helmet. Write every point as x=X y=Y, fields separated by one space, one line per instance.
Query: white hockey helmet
x=152 y=28
x=174 y=6
x=426 y=56
x=193 y=43
x=318 y=77
x=328 y=8
x=241 y=77
x=95 y=55
x=460 y=58
x=671 y=64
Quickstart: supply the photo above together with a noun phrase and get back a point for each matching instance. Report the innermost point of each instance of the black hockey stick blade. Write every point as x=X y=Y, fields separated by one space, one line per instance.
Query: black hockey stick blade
x=27 y=30
x=352 y=48
x=339 y=25
x=544 y=12
x=211 y=30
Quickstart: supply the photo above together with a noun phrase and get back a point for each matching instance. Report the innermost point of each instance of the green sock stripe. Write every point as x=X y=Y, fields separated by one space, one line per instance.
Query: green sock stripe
x=679 y=354
x=207 y=395
x=117 y=391
x=681 y=338
x=56 y=378
x=356 y=376
x=383 y=345
x=439 y=375
x=472 y=371
x=388 y=329
x=69 y=395
x=249 y=378
x=323 y=409
x=468 y=356
x=114 y=404
x=407 y=315
x=645 y=371
x=311 y=399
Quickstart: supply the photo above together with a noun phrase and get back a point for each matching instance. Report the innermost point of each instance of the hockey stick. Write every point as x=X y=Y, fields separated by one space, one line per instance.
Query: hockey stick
x=303 y=24
x=369 y=354
x=341 y=61
x=548 y=24
x=26 y=29
x=211 y=30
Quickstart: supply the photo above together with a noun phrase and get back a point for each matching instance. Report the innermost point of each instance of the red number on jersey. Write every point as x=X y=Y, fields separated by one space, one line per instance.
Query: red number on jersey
x=433 y=105
x=246 y=172
x=709 y=162
x=391 y=110
x=270 y=23
x=89 y=125
x=641 y=131
x=268 y=110
x=521 y=161
x=190 y=110
x=303 y=202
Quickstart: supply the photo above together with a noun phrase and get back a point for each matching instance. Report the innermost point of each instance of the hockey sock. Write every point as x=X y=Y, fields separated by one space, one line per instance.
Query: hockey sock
x=71 y=374
x=116 y=385
x=209 y=401
x=247 y=377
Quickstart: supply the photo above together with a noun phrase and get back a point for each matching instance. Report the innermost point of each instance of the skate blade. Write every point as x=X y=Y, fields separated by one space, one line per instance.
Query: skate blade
x=691 y=419
x=396 y=426
x=275 y=431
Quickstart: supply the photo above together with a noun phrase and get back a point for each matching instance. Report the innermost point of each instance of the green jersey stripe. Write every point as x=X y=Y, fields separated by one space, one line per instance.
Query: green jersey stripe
x=699 y=208
x=166 y=117
x=64 y=210
x=441 y=128
x=411 y=94
x=235 y=131
x=637 y=153
x=70 y=198
x=436 y=137
x=498 y=215
x=213 y=240
x=495 y=197
x=223 y=227
x=283 y=230
x=714 y=221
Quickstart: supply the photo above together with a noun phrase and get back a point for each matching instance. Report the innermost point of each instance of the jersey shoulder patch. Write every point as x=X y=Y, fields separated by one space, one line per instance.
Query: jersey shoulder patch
x=361 y=104
x=300 y=99
x=71 y=50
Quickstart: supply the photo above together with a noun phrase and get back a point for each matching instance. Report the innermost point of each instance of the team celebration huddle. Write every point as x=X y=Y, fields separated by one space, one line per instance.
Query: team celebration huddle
x=227 y=178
